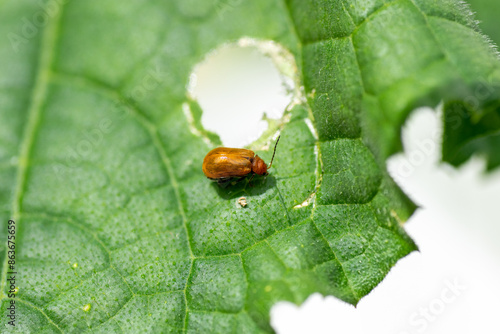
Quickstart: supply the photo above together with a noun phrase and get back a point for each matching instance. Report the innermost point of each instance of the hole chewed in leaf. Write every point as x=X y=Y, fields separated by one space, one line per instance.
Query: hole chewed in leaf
x=243 y=90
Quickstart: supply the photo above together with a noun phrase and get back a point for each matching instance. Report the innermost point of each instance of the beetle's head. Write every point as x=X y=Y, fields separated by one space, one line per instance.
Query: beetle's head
x=259 y=166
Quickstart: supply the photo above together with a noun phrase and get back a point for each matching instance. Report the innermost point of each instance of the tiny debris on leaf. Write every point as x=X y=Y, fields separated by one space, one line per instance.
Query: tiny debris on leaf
x=242 y=201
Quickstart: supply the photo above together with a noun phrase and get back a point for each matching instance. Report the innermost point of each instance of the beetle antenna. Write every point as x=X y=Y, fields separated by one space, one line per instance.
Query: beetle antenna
x=275 y=145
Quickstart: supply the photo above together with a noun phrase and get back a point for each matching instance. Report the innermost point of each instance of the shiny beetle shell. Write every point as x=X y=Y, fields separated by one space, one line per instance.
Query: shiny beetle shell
x=224 y=163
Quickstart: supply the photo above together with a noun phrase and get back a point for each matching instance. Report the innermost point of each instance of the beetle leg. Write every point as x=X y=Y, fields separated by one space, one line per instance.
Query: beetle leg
x=251 y=178
x=223 y=182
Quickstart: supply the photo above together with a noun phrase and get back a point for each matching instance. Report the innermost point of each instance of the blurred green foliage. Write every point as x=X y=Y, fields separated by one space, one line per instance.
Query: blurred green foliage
x=487 y=12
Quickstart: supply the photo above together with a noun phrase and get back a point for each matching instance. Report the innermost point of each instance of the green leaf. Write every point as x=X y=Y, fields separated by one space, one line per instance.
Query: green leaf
x=486 y=12
x=117 y=227
x=466 y=134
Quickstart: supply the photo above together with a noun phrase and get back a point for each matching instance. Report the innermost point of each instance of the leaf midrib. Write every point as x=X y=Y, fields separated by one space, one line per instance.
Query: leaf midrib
x=38 y=96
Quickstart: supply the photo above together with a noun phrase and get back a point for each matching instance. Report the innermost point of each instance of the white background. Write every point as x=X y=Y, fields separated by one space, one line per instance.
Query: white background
x=451 y=285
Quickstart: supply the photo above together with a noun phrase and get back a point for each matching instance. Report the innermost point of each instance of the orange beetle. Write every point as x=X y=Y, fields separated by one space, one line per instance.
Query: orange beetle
x=222 y=164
